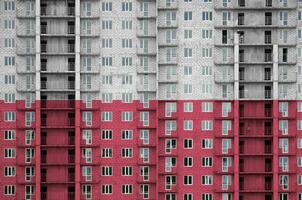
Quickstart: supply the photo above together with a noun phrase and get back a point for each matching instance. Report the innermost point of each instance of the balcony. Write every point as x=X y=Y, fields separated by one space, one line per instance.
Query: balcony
x=168 y=78
x=65 y=31
x=58 y=86
x=51 y=13
x=60 y=49
x=163 y=23
x=150 y=13
x=147 y=32
x=166 y=59
x=168 y=5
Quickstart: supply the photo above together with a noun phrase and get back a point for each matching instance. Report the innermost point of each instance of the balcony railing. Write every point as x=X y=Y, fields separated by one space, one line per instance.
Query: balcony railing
x=70 y=11
x=70 y=48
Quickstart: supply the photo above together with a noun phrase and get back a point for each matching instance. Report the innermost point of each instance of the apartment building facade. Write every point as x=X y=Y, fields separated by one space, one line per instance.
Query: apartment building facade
x=146 y=99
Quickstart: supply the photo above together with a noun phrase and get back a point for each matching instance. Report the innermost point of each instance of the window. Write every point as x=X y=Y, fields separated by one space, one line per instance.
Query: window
x=9 y=79
x=29 y=154
x=29 y=191
x=284 y=181
x=226 y=108
x=206 y=180
x=126 y=43
x=188 y=15
x=107 y=24
x=106 y=171
x=127 y=97
x=299 y=143
x=299 y=180
x=9 y=98
x=206 y=161
x=226 y=181
x=169 y=109
x=87 y=173
x=107 y=116
x=206 y=70
x=188 y=52
x=169 y=163
x=9 y=60
x=188 y=34
x=206 y=196
x=106 y=134
x=9 y=190
x=29 y=136
x=206 y=52
x=299 y=162
x=126 y=25
x=9 y=24
x=9 y=116
x=9 y=5
x=9 y=135
x=144 y=154
x=87 y=118
x=207 y=107
x=169 y=145
x=188 y=71
x=188 y=180
x=144 y=118
x=169 y=182
x=29 y=173
x=9 y=42
x=107 y=153
x=126 y=171
x=284 y=17
x=226 y=145
x=207 y=16
x=207 y=143
x=188 y=125
x=188 y=196
x=106 y=6
x=126 y=61
x=9 y=153
x=144 y=136
x=126 y=152
x=126 y=79
x=206 y=34
x=188 y=107
x=188 y=143
x=127 y=116
x=299 y=124
x=9 y=171
x=170 y=125
x=107 y=61
x=126 y=6
x=106 y=189
x=188 y=161
x=226 y=163
x=29 y=118
x=226 y=126
x=284 y=164
x=127 y=189
x=107 y=43
x=87 y=136
x=127 y=135
x=144 y=172
x=207 y=125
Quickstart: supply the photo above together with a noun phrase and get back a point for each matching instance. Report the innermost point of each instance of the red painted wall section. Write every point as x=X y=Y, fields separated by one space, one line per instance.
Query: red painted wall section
x=59 y=147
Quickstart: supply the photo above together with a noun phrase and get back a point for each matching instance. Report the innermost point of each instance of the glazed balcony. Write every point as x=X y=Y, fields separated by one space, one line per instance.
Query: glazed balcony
x=168 y=78
x=255 y=5
x=48 y=30
x=49 y=12
x=147 y=14
x=57 y=86
x=166 y=59
x=168 y=5
x=63 y=49
x=165 y=23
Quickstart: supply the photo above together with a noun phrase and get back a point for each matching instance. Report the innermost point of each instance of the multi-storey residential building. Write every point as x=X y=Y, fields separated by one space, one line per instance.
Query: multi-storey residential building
x=151 y=99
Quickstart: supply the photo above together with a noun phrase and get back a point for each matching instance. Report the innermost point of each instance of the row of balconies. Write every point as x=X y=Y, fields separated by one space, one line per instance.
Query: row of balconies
x=262 y=78
x=255 y=5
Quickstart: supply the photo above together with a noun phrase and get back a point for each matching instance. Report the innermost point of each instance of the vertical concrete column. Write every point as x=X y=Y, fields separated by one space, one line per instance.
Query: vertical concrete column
x=236 y=116
x=275 y=123
x=77 y=102
x=37 y=106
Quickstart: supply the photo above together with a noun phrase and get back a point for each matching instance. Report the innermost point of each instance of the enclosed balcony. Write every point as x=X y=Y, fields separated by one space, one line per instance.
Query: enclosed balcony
x=65 y=28
x=57 y=48
x=67 y=10
x=168 y=5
